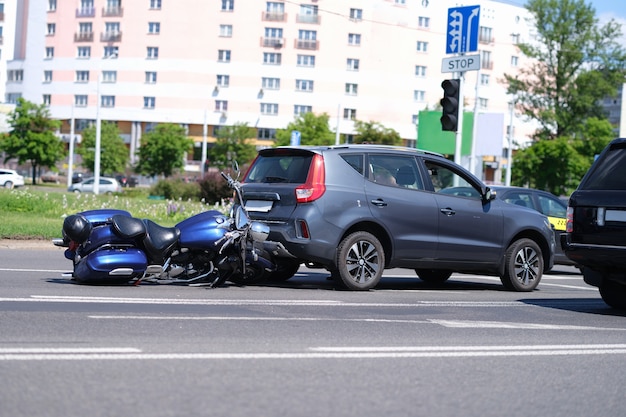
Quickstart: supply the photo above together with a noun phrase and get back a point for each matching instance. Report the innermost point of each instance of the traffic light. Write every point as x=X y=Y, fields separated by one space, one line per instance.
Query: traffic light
x=450 y=105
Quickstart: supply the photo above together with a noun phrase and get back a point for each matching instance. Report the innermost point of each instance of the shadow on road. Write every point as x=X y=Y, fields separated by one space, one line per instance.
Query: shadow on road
x=579 y=305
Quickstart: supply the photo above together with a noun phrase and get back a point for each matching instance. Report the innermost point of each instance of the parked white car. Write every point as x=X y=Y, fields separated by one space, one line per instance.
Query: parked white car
x=107 y=186
x=10 y=178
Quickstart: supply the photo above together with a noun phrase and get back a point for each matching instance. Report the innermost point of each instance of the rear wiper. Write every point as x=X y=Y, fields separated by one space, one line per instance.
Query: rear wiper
x=276 y=179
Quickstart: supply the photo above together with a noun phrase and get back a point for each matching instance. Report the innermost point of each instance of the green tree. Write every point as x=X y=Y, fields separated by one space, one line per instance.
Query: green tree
x=551 y=165
x=233 y=144
x=575 y=63
x=163 y=150
x=374 y=132
x=314 y=130
x=596 y=134
x=113 y=152
x=32 y=138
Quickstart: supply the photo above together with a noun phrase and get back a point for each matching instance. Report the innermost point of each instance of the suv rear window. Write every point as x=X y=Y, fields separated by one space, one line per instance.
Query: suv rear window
x=611 y=171
x=280 y=168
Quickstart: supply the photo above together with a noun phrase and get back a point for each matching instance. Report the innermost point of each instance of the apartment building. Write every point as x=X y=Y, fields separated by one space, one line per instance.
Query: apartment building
x=205 y=64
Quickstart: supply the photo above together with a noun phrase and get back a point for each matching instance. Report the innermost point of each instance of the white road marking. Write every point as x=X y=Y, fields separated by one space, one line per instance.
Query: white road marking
x=374 y=352
x=467 y=324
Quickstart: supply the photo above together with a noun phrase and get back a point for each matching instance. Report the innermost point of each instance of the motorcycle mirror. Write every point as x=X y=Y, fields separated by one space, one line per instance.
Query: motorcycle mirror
x=241 y=218
x=236 y=168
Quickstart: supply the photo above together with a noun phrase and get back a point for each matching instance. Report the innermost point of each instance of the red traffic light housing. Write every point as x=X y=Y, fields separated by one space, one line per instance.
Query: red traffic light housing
x=450 y=105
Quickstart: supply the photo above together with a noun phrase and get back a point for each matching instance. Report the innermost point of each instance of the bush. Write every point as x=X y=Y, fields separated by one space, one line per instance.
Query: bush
x=214 y=188
x=177 y=189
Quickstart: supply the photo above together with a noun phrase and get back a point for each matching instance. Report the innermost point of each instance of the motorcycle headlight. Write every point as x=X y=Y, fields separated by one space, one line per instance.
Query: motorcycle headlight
x=259 y=231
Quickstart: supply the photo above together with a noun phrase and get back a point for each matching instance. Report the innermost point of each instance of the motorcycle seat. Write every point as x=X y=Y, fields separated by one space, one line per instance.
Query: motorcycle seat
x=159 y=240
x=128 y=227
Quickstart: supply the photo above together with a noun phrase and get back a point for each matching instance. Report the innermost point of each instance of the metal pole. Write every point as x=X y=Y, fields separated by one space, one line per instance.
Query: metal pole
x=70 y=162
x=475 y=132
x=338 y=119
x=509 y=152
x=459 y=129
x=96 y=164
x=204 y=146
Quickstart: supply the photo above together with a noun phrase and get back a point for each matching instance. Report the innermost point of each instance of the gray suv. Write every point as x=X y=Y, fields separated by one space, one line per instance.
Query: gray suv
x=359 y=209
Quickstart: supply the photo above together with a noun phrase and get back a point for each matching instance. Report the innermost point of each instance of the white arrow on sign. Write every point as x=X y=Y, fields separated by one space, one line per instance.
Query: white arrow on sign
x=460 y=63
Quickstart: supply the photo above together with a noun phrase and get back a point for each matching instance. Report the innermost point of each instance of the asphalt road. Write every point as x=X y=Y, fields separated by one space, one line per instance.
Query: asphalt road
x=303 y=348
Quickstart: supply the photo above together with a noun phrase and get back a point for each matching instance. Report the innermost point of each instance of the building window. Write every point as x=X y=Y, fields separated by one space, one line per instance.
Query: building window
x=420 y=70
x=349 y=114
x=221 y=105
x=399 y=1
x=270 y=83
x=151 y=77
x=111 y=51
x=15 y=76
x=353 y=64
x=228 y=5
x=356 y=14
x=148 y=102
x=423 y=22
x=223 y=80
x=82 y=76
x=484 y=35
x=155 y=4
x=267 y=134
x=351 y=89
x=52 y=5
x=422 y=46
x=354 y=39
x=306 y=61
x=46 y=98
x=223 y=55
x=83 y=52
x=226 y=31
x=153 y=52
x=299 y=109
x=485 y=60
x=269 y=108
x=415 y=119
x=51 y=29
x=47 y=76
x=150 y=127
x=49 y=52
x=484 y=79
x=272 y=58
x=483 y=103
x=109 y=76
x=308 y=14
x=515 y=38
x=419 y=95
x=514 y=61
x=13 y=97
x=80 y=100
x=112 y=32
x=154 y=28
x=107 y=101
x=304 y=85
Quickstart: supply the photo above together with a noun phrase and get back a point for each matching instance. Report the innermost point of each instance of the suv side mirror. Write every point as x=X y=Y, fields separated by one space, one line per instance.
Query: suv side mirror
x=489 y=194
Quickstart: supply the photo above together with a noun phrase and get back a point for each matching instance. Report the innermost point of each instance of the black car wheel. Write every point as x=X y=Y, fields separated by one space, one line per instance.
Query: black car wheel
x=524 y=266
x=360 y=261
x=435 y=276
x=614 y=294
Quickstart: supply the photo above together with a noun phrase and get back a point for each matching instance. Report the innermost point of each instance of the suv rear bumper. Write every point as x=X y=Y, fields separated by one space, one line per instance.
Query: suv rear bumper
x=599 y=261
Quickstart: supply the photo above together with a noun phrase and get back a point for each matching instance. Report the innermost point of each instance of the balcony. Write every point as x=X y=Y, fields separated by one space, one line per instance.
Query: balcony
x=308 y=18
x=113 y=11
x=83 y=37
x=111 y=36
x=486 y=65
x=310 y=45
x=86 y=12
x=274 y=17
x=486 y=40
x=1 y=16
x=272 y=42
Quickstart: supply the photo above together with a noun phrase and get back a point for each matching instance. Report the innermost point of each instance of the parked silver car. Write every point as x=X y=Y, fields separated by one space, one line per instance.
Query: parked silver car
x=9 y=178
x=107 y=186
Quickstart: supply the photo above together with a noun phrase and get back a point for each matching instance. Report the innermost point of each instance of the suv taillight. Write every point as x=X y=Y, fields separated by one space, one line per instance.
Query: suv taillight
x=315 y=186
x=569 y=220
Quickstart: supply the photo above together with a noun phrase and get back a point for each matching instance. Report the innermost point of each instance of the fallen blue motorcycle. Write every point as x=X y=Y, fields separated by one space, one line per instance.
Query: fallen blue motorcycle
x=111 y=247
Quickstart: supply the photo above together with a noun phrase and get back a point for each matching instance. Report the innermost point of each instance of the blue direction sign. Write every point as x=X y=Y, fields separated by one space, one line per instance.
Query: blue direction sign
x=462 y=30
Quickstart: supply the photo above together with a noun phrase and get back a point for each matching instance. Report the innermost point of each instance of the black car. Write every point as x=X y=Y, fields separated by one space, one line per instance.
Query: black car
x=358 y=209
x=596 y=225
x=544 y=202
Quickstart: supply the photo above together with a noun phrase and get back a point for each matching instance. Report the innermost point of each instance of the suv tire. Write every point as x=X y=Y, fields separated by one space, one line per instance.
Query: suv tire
x=523 y=266
x=285 y=269
x=433 y=276
x=613 y=293
x=360 y=261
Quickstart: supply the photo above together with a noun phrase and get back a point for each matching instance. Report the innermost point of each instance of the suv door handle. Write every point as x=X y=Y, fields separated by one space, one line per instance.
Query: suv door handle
x=448 y=211
x=379 y=202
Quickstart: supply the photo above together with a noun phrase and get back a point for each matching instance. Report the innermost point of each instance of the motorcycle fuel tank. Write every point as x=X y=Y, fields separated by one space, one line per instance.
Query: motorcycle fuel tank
x=203 y=230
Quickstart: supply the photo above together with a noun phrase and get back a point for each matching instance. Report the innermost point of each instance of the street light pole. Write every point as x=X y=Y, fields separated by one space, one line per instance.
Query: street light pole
x=96 y=163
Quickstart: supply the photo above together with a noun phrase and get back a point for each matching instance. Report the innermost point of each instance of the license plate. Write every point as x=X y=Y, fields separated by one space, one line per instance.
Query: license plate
x=259 y=205
x=615 y=216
